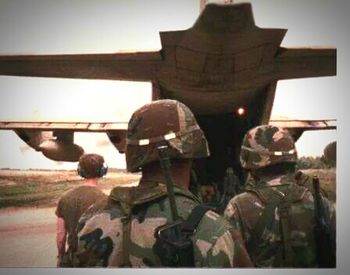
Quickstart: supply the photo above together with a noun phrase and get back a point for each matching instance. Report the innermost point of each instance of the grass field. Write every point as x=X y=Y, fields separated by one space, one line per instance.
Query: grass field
x=43 y=188
x=327 y=180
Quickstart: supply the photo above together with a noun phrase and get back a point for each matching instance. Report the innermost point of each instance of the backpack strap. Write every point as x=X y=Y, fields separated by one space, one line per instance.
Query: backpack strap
x=126 y=240
x=288 y=252
x=194 y=218
x=272 y=199
x=132 y=199
x=283 y=201
x=295 y=193
x=174 y=242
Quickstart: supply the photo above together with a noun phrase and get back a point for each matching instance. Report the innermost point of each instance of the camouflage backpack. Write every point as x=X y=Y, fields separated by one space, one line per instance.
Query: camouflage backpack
x=133 y=201
x=282 y=232
x=283 y=235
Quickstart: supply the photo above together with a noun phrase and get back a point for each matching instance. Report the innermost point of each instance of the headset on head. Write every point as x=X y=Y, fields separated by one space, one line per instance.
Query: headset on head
x=101 y=171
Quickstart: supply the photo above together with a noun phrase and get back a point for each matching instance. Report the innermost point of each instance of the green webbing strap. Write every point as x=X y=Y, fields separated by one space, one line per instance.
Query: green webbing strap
x=196 y=215
x=289 y=255
x=274 y=199
x=126 y=220
x=295 y=193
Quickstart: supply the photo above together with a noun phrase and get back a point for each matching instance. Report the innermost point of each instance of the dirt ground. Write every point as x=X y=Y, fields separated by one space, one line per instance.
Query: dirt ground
x=28 y=234
x=28 y=237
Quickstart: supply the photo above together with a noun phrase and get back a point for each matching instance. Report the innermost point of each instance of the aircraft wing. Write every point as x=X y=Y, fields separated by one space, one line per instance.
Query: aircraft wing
x=137 y=66
x=224 y=61
x=56 y=139
x=297 y=127
x=305 y=62
x=324 y=124
x=64 y=126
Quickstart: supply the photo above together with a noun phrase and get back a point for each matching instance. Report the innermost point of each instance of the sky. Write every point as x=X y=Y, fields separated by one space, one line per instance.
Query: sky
x=107 y=26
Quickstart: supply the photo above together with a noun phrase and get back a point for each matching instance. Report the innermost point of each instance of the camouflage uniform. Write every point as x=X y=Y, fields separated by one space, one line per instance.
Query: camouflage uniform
x=122 y=232
x=213 y=243
x=276 y=213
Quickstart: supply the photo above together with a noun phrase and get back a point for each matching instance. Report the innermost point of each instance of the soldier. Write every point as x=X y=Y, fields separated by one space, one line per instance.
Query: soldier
x=277 y=215
x=127 y=232
x=330 y=154
x=74 y=202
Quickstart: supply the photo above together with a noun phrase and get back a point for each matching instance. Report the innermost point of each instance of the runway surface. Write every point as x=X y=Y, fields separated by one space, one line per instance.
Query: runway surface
x=28 y=237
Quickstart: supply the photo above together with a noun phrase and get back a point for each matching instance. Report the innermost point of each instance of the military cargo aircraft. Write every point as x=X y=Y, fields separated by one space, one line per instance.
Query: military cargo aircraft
x=224 y=68
x=56 y=139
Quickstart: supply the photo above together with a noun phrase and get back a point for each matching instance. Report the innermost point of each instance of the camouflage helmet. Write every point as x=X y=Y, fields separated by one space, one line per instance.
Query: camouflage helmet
x=167 y=121
x=266 y=145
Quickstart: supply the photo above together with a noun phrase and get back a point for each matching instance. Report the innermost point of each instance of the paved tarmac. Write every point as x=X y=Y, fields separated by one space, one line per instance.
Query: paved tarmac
x=28 y=237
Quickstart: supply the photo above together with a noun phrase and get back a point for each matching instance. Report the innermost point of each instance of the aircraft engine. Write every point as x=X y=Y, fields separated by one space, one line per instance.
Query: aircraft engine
x=33 y=137
x=55 y=145
x=59 y=151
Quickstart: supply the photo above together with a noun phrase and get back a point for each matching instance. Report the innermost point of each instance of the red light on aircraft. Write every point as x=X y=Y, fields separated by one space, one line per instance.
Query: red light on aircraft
x=240 y=111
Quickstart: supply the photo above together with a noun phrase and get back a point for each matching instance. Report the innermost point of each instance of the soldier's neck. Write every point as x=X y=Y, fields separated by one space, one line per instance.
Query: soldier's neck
x=90 y=182
x=273 y=171
x=180 y=173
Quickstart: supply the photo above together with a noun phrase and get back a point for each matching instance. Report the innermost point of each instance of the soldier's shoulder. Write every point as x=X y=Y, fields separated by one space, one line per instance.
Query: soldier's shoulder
x=184 y=202
x=99 y=215
x=96 y=207
x=212 y=225
x=69 y=192
x=213 y=240
x=79 y=191
x=246 y=196
x=67 y=196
